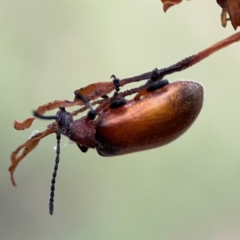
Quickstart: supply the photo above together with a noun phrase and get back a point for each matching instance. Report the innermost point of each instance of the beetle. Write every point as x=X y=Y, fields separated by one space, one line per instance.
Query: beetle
x=134 y=126
x=159 y=113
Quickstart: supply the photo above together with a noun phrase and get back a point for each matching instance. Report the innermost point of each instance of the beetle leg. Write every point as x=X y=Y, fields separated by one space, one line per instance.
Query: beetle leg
x=105 y=97
x=116 y=82
x=82 y=148
x=154 y=75
x=97 y=102
x=117 y=102
x=151 y=87
x=91 y=113
x=156 y=85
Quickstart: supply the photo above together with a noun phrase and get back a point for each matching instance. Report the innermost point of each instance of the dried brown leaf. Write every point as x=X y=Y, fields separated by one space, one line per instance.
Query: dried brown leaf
x=169 y=3
x=232 y=8
x=23 y=150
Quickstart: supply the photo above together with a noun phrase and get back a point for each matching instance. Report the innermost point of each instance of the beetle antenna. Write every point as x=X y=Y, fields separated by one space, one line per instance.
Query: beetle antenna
x=54 y=175
x=116 y=82
x=36 y=114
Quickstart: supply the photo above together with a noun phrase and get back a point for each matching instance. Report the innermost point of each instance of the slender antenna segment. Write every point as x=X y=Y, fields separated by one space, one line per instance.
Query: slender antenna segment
x=36 y=114
x=54 y=175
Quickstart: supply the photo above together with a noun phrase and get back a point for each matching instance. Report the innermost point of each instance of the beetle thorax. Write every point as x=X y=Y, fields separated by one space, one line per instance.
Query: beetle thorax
x=82 y=131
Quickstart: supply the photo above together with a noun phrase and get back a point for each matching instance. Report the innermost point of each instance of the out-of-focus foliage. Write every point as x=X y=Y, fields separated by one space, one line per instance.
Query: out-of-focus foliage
x=229 y=7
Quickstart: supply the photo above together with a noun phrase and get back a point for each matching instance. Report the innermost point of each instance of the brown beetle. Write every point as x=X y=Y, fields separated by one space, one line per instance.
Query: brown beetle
x=155 y=119
x=158 y=114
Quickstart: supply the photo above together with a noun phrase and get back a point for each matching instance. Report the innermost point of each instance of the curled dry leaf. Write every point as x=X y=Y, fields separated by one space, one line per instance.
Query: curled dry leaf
x=23 y=150
x=232 y=8
x=169 y=3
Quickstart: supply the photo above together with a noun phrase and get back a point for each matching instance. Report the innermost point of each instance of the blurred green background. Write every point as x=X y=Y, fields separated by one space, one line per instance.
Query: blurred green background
x=189 y=189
